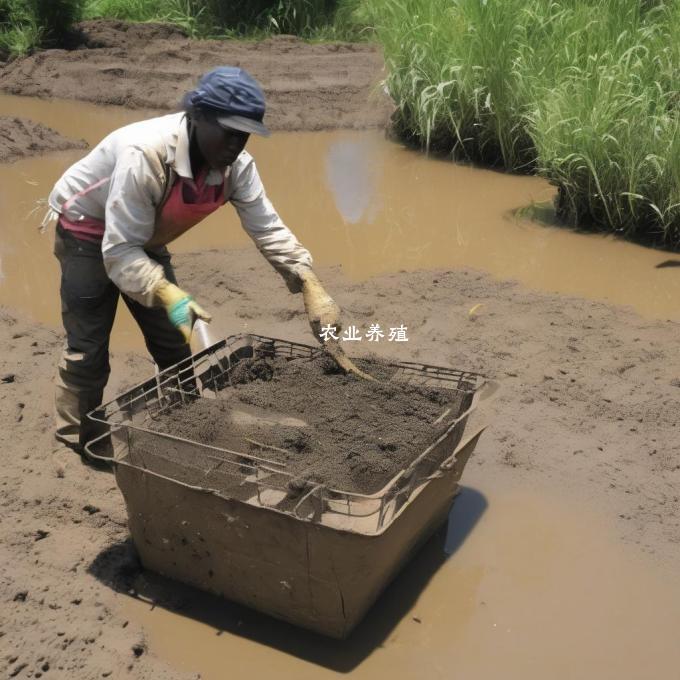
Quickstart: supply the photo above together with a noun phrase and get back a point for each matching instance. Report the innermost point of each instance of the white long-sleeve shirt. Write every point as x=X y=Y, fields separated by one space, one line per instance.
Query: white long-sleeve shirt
x=123 y=181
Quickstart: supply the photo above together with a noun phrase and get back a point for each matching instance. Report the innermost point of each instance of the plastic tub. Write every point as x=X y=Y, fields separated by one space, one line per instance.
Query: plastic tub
x=319 y=561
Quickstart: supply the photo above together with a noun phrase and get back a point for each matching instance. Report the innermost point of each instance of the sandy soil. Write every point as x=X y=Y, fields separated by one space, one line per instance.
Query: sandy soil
x=591 y=399
x=308 y=86
x=20 y=138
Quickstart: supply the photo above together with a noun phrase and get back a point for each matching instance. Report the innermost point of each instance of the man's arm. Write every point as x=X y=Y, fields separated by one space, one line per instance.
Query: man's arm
x=262 y=223
x=134 y=191
x=287 y=255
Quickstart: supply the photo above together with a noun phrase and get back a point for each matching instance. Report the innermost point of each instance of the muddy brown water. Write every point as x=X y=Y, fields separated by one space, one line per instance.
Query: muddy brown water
x=534 y=587
x=353 y=199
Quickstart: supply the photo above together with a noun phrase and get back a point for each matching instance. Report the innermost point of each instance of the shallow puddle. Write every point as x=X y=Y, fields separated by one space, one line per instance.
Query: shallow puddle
x=533 y=587
x=353 y=199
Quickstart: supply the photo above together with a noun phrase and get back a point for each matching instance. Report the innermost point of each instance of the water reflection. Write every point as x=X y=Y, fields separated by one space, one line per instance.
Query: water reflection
x=352 y=173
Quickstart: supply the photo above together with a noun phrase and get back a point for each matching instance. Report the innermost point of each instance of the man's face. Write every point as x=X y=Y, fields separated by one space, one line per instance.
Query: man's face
x=218 y=146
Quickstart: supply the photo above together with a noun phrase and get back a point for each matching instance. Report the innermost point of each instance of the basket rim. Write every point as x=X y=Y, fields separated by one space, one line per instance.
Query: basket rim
x=251 y=339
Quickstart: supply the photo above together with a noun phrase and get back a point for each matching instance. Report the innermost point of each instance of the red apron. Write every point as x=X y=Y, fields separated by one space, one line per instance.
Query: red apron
x=186 y=205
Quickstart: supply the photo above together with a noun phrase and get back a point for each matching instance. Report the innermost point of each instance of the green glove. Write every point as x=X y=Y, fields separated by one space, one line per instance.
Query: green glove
x=181 y=308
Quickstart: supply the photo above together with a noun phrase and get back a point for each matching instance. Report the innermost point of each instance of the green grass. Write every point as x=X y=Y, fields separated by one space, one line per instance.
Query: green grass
x=188 y=14
x=20 y=32
x=20 y=39
x=27 y=25
x=584 y=92
x=311 y=19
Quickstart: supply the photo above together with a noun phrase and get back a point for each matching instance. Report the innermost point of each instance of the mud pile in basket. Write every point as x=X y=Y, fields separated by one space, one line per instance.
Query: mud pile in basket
x=326 y=427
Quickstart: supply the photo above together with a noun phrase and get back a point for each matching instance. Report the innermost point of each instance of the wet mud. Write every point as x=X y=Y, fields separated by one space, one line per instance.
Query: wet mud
x=20 y=138
x=323 y=426
x=590 y=392
x=589 y=403
x=308 y=86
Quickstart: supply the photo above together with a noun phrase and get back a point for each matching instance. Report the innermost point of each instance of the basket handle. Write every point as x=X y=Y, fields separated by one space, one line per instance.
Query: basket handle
x=465 y=446
x=487 y=394
x=90 y=454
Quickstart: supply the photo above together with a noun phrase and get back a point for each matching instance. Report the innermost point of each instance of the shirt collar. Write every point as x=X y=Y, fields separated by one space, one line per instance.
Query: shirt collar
x=180 y=160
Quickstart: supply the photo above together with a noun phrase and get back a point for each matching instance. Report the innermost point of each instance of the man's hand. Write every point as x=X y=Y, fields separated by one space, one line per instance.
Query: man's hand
x=324 y=313
x=180 y=307
x=320 y=306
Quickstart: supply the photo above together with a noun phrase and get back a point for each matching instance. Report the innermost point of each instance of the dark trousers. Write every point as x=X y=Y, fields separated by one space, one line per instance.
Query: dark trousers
x=88 y=308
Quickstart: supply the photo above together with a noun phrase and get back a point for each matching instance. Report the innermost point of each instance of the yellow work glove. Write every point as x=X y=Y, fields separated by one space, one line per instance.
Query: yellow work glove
x=323 y=312
x=180 y=307
x=320 y=306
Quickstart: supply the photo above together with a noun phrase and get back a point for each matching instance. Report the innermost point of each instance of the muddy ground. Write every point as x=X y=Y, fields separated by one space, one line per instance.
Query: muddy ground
x=308 y=86
x=591 y=392
x=20 y=138
x=590 y=401
x=591 y=396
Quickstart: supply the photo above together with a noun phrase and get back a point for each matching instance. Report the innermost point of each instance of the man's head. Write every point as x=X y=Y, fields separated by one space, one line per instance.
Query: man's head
x=219 y=146
x=225 y=108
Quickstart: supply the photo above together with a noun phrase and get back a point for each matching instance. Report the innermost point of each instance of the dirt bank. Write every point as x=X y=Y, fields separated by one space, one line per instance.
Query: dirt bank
x=20 y=138
x=308 y=86
x=591 y=399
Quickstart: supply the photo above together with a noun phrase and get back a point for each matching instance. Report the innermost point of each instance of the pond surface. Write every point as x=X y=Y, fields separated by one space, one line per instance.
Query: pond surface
x=354 y=199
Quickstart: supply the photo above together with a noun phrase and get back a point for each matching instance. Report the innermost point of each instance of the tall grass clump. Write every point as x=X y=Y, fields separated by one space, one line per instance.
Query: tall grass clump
x=26 y=25
x=584 y=92
x=56 y=19
x=19 y=30
x=191 y=15
x=297 y=17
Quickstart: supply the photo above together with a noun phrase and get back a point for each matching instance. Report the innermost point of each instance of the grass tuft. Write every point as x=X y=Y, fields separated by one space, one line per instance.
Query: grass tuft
x=311 y=19
x=584 y=92
x=26 y=25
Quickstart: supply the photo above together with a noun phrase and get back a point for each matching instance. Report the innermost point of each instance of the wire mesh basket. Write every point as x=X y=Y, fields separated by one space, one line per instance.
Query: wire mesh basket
x=260 y=480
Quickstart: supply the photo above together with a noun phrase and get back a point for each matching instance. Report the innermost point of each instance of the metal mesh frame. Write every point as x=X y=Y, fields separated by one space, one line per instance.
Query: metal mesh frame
x=258 y=479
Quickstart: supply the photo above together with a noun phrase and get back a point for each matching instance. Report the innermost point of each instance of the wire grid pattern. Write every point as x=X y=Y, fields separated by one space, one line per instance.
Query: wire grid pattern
x=261 y=478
